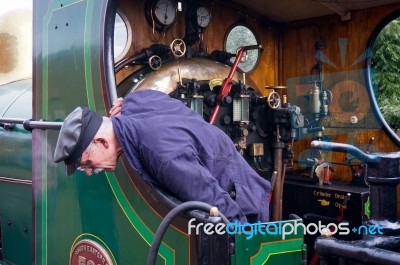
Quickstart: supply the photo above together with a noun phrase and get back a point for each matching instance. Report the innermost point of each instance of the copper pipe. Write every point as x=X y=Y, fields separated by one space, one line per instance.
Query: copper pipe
x=278 y=189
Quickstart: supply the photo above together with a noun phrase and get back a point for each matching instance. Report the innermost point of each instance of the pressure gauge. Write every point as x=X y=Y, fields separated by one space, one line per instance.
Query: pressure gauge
x=203 y=17
x=161 y=14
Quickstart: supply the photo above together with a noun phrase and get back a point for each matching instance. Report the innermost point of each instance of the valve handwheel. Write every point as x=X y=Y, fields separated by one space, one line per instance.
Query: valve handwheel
x=178 y=47
x=155 y=62
x=274 y=100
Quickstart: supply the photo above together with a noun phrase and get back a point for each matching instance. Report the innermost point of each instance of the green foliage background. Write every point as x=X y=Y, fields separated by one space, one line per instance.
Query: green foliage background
x=386 y=72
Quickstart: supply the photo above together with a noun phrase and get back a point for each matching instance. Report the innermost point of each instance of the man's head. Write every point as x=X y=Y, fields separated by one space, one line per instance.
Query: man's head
x=87 y=142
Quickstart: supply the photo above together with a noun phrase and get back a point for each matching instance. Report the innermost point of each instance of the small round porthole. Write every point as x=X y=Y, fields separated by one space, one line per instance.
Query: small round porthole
x=122 y=36
x=239 y=36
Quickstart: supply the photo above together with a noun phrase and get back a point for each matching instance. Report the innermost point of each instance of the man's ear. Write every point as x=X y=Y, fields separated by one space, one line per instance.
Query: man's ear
x=103 y=141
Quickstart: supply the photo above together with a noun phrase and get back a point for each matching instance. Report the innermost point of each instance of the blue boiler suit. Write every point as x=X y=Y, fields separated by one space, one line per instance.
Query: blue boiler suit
x=171 y=146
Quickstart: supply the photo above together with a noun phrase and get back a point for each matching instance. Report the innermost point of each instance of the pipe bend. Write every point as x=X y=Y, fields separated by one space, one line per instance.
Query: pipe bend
x=190 y=205
x=345 y=148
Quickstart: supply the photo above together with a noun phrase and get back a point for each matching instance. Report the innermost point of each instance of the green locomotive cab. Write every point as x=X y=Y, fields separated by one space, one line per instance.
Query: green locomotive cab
x=86 y=53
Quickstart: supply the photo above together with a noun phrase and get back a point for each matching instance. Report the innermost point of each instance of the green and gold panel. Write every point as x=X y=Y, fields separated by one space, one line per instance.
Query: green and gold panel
x=274 y=243
x=107 y=213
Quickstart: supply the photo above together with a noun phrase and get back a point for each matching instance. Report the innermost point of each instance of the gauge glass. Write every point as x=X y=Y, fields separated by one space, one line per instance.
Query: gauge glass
x=203 y=17
x=165 y=12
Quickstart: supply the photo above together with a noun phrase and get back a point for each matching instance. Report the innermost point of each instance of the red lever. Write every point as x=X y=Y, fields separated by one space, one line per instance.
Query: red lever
x=226 y=85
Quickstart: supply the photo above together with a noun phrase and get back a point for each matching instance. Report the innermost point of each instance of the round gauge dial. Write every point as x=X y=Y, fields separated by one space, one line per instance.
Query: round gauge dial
x=165 y=12
x=203 y=17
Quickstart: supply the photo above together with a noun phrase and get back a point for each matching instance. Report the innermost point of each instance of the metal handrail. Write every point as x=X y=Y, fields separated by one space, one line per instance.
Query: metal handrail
x=30 y=125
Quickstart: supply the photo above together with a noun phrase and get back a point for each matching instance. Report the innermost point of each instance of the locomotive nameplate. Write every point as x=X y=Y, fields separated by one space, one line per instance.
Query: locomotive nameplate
x=89 y=252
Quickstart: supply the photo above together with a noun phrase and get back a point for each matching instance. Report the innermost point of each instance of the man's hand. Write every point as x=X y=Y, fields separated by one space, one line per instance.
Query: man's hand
x=116 y=108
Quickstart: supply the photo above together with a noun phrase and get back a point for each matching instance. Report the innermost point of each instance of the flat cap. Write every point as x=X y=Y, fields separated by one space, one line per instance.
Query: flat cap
x=77 y=132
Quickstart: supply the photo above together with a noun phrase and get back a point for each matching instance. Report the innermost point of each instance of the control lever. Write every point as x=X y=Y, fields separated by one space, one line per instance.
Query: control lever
x=226 y=85
x=370 y=144
x=221 y=56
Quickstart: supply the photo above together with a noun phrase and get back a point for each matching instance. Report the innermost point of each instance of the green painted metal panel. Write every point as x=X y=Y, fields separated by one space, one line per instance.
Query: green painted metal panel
x=267 y=246
x=16 y=221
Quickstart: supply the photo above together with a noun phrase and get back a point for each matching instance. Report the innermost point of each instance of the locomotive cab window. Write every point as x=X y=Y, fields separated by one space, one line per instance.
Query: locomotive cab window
x=383 y=68
x=122 y=36
x=239 y=36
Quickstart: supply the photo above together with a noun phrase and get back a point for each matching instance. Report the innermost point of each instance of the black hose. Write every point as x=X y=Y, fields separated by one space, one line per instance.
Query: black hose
x=190 y=205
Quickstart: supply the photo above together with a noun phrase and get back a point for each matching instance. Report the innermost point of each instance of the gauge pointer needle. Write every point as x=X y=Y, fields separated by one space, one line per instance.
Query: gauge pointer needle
x=166 y=13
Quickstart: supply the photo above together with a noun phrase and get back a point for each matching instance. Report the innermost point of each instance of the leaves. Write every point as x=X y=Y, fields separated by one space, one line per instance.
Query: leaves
x=386 y=72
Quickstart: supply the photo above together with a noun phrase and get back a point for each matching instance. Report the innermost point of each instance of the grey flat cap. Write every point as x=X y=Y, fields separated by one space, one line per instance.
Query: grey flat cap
x=77 y=131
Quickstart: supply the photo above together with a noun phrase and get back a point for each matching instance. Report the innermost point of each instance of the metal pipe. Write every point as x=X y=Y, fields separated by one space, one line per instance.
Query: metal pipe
x=12 y=120
x=166 y=222
x=29 y=125
x=329 y=146
x=278 y=188
x=327 y=247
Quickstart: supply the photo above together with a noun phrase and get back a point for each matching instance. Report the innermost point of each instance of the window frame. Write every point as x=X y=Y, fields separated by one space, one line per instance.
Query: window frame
x=257 y=43
x=128 y=40
x=368 y=75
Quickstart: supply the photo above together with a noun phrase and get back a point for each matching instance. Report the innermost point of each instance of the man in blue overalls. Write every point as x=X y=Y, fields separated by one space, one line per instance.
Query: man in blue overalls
x=169 y=145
